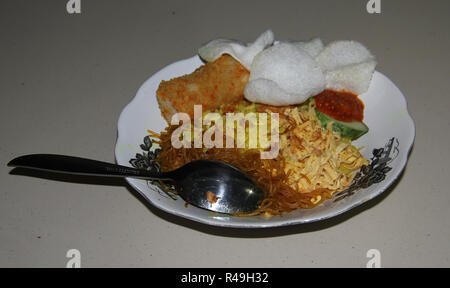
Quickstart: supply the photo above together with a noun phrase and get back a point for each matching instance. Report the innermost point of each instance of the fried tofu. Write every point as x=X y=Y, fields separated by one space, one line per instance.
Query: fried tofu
x=211 y=85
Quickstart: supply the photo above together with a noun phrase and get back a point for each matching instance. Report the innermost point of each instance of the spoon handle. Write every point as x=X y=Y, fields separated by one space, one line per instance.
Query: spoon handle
x=81 y=166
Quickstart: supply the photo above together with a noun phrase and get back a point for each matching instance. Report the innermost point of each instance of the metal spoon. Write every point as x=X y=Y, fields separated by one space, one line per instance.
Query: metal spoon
x=211 y=185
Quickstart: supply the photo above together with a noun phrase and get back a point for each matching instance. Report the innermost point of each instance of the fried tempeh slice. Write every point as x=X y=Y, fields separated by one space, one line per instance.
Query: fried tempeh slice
x=211 y=85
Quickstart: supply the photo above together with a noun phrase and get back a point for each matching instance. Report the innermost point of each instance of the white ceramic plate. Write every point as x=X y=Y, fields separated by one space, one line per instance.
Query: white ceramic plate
x=390 y=127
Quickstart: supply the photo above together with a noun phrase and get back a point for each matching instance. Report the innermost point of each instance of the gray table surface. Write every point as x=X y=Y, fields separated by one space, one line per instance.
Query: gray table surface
x=64 y=79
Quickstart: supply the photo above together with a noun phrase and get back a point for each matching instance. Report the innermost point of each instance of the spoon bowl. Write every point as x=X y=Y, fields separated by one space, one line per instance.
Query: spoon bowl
x=217 y=186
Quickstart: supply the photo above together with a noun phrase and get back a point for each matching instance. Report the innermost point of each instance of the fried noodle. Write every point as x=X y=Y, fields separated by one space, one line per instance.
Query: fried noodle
x=312 y=164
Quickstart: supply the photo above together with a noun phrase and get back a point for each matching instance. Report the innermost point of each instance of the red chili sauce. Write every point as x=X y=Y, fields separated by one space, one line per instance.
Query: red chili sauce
x=342 y=106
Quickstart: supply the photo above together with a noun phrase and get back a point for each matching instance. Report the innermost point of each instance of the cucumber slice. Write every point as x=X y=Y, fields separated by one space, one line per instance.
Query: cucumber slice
x=352 y=130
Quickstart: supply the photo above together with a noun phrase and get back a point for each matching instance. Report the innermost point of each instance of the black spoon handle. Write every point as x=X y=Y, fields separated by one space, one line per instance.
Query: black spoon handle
x=81 y=166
